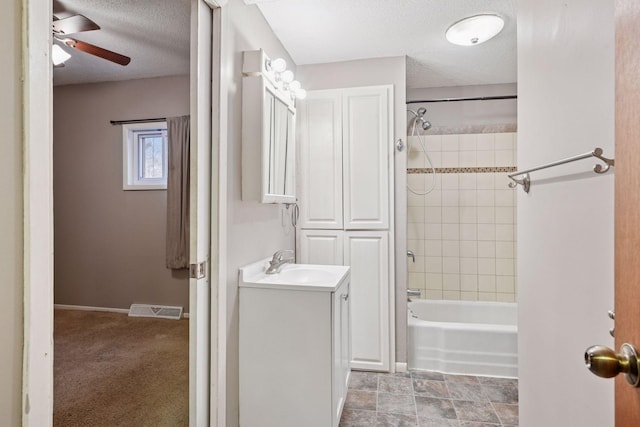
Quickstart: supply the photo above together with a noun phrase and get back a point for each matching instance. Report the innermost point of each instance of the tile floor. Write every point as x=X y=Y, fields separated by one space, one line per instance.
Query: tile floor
x=429 y=399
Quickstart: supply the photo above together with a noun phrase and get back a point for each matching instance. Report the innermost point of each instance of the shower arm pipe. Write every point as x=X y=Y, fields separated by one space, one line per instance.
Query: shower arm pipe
x=526 y=182
x=474 y=98
x=414 y=113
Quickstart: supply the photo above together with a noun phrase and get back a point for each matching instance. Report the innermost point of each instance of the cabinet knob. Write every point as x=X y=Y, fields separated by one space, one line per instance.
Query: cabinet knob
x=345 y=297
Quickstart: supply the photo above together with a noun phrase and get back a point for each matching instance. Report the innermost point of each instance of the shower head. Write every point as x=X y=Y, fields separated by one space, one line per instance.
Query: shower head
x=419 y=118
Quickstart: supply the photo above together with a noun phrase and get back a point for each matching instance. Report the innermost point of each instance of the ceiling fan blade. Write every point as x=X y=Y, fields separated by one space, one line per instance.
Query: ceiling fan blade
x=74 y=24
x=97 y=51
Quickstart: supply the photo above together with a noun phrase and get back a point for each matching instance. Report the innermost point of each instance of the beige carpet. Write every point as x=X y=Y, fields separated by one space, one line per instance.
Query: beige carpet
x=115 y=370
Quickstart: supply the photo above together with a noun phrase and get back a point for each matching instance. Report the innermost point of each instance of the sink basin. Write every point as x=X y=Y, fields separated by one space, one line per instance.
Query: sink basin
x=299 y=276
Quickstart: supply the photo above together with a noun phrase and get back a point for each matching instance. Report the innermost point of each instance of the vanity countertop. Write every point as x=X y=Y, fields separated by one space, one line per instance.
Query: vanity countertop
x=309 y=277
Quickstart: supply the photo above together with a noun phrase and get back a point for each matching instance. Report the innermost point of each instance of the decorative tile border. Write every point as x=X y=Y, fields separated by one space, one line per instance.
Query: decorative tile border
x=463 y=170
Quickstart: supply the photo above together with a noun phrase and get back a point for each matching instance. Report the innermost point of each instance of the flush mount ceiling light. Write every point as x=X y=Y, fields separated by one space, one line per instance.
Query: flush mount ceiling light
x=474 y=29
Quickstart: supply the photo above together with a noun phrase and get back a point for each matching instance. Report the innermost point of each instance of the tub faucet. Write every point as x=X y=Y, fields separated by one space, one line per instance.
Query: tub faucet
x=279 y=259
x=413 y=293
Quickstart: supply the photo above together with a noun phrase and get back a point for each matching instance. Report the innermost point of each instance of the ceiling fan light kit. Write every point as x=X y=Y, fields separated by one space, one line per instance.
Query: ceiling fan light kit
x=475 y=29
x=75 y=24
x=58 y=55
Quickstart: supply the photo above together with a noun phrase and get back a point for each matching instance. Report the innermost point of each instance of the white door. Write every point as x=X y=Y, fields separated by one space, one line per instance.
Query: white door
x=366 y=148
x=324 y=247
x=200 y=213
x=367 y=252
x=321 y=160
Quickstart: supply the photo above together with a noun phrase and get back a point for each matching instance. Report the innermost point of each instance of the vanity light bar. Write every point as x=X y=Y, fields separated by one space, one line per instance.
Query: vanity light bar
x=256 y=63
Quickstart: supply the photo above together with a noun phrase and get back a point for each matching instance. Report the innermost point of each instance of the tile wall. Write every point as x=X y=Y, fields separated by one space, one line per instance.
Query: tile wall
x=463 y=232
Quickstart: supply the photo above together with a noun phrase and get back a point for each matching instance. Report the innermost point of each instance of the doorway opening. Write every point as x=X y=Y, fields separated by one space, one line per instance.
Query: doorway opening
x=111 y=233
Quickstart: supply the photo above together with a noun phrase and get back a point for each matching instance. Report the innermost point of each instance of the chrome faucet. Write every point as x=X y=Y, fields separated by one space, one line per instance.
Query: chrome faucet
x=278 y=260
x=412 y=293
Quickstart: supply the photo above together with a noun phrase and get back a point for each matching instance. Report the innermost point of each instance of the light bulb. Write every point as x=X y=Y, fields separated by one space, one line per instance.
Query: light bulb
x=300 y=94
x=286 y=76
x=278 y=65
x=58 y=55
x=295 y=86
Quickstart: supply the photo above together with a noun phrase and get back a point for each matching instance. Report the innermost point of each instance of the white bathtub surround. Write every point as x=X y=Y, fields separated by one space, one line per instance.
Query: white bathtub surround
x=463 y=232
x=463 y=337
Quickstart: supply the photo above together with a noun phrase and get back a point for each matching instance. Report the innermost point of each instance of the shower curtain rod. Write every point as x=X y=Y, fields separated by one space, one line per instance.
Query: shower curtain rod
x=128 y=122
x=476 y=98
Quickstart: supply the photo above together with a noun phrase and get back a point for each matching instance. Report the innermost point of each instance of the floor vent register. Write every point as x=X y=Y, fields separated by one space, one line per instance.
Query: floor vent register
x=159 y=311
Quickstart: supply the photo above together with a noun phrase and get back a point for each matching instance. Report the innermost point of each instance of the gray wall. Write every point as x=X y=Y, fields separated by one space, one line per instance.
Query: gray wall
x=566 y=223
x=254 y=231
x=467 y=116
x=110 y=243
x=369 y=72
x=11 y=277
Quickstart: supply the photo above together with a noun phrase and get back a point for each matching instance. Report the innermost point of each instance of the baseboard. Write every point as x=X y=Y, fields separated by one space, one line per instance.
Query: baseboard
x=107 y=309
x=89 y=308
x=401 y=367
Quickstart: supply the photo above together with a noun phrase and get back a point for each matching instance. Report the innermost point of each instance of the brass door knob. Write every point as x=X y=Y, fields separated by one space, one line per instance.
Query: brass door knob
x=606 y=363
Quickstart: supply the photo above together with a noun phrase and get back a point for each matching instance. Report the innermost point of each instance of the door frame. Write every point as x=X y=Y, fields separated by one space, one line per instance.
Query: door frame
x=37 y=126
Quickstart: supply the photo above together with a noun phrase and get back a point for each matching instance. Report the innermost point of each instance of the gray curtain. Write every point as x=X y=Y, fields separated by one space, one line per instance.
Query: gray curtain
x=178 y=193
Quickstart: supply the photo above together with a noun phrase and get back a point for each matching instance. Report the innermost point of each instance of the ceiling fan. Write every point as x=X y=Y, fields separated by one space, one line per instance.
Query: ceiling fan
x=64 y=25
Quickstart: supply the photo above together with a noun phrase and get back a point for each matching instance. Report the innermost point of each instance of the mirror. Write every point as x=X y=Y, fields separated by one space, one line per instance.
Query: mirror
x=281 y=149
x=268 y=143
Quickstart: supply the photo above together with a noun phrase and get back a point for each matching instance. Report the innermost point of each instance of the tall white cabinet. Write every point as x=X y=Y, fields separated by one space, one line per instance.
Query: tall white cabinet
x=346 y=199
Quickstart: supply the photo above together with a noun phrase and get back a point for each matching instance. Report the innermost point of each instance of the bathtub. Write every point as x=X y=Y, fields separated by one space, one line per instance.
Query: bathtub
x=463 y=337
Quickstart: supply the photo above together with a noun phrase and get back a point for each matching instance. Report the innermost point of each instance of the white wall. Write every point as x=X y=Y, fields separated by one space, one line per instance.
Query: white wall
x=369 y=72
x=565 y=224
x=254 y=230
x=11 y=212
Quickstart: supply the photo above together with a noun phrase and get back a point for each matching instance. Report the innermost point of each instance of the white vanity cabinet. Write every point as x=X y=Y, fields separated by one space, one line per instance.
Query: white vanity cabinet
x=294 y=352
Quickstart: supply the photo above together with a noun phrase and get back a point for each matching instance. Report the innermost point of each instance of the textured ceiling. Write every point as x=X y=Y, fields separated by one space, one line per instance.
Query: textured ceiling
x=154 y=33
x=338 y=30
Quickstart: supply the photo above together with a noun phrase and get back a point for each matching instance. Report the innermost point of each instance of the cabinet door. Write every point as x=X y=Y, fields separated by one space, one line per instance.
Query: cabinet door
x=321 y=160
x=367 y=151
x=345 y=338
x=323 y=247
x=341 y=350
x=367 y=252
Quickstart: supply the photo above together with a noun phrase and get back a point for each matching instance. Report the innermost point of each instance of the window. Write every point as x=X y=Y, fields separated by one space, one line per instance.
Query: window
x=145 y=163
